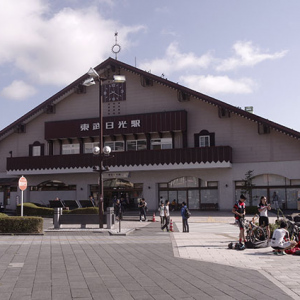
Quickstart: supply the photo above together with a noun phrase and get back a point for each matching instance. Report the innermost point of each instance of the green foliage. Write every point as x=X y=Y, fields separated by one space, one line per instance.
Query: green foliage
x=247 y=187
x=30 y=209
x=21 y=225
x=83 y=211
x=2 y=215
x=272 y=228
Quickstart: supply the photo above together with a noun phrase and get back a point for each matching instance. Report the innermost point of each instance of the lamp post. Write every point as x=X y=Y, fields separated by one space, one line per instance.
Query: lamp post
x=100 y=151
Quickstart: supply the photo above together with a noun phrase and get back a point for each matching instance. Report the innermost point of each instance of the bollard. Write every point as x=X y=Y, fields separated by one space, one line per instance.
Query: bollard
x=109 y=216
x=57 y=214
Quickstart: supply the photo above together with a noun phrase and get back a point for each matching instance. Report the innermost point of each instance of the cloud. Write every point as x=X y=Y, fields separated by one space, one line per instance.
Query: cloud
x=247 y=55
x=174 y=61
x=18 y=90
x=55 y=48
x=214 y=85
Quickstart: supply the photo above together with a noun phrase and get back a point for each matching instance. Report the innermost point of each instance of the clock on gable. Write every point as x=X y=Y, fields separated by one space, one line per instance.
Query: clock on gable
x=114 y=91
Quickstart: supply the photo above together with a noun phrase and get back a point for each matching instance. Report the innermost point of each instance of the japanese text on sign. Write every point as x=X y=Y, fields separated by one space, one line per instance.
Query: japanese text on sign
x=111 y=125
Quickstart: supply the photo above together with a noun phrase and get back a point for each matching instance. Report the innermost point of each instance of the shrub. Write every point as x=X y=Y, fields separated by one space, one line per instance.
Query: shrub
x=2 y=215
x=30 y=209
x=272 y=228
x=83 y=211
x=21 y=225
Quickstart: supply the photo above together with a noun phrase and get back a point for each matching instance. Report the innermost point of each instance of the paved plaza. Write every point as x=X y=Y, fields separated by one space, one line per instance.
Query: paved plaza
x=72 y=263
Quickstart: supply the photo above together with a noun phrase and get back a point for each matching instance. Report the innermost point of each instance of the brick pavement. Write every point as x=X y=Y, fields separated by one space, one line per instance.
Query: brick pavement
x=147 y=264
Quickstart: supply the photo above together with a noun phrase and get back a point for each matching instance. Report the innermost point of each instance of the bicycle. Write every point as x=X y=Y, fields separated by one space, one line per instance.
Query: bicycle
x=254 y=232
x=293 y=228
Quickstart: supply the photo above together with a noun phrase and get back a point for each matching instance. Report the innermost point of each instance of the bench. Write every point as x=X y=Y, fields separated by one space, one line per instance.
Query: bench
x=86 y=203
x=209 y=206
x=82 y=219
x=56 y=203
x=72 y=204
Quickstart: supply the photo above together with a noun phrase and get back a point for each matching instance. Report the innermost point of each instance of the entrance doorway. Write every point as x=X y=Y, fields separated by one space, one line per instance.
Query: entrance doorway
x=117 y=188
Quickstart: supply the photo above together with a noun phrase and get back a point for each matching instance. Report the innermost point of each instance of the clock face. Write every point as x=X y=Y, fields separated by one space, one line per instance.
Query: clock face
x=113 y=92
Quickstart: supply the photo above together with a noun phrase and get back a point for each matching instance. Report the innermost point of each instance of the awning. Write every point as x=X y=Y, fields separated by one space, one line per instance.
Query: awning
x=9 y=181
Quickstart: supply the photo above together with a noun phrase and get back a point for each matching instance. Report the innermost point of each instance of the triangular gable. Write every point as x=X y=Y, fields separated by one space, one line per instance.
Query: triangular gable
x=145 y=76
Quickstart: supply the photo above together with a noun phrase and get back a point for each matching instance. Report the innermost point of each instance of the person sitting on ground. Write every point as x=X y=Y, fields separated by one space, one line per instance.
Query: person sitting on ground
x=281 y=241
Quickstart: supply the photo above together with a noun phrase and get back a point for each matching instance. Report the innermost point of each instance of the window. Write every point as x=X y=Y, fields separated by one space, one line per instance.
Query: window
x=204 y=141
x=186 y=181
x=136 y=145
x=70 y=149
x=115 y=145
x=53 y=185
x=164 y=143
x=88 y=147
x=36 y=151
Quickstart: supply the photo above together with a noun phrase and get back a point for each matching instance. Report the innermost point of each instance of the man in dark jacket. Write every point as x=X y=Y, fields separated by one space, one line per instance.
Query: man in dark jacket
x=142 y=209
x=185 y=224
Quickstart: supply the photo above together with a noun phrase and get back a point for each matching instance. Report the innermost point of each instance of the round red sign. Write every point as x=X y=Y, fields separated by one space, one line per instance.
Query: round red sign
x=22 y=183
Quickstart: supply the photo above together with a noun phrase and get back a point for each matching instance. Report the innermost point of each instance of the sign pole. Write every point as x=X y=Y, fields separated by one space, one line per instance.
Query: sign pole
x=23 y=187
x=22 y=193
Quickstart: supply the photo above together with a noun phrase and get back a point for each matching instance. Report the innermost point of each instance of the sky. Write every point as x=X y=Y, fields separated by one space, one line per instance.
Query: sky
x=245 y=53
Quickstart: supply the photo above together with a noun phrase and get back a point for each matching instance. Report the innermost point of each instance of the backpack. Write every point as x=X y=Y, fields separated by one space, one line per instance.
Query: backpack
x=187 y=213
x=236 y=246
x=257 y=244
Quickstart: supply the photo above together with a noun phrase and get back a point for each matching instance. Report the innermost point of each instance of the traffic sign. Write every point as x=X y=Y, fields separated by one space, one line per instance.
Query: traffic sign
x=22 y=183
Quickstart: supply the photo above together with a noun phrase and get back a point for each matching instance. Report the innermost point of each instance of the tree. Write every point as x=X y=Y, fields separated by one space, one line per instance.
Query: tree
x=248 y=185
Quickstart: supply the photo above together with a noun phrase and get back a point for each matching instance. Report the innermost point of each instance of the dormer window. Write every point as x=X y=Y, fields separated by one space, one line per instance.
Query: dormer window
x=204 y=139
x=36 y=149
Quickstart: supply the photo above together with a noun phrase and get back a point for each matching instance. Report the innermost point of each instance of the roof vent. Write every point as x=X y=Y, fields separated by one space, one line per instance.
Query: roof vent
x=80 y=89
x=21 y=128
x=223 y=112
x=263 y=129
x=146 y=81
x=50 y=109
x=183 y=97
x=249 y=109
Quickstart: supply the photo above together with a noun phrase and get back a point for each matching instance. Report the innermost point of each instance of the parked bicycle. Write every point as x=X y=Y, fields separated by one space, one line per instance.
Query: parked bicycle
x=254 y=232
x=293 y=228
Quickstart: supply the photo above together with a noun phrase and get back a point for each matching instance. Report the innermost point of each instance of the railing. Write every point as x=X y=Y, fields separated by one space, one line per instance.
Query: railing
x=121 y=159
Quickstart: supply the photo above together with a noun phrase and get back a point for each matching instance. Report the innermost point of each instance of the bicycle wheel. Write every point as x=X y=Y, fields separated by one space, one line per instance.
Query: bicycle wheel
x=258 y=234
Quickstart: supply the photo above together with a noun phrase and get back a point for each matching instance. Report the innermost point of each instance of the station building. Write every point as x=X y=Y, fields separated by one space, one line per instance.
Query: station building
x=167 y=141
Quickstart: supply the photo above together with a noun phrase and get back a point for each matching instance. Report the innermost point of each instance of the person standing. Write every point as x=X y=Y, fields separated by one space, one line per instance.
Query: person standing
x=166 y=216
x=275 y=201
x=162 y=213
x=263 y=208
x=142 y=209
x=185 y=224
x=92 y=200
x=239 y=210
x=118 y=210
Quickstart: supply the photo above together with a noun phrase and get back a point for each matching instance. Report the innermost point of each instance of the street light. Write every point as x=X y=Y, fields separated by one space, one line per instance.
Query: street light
x=101 y=151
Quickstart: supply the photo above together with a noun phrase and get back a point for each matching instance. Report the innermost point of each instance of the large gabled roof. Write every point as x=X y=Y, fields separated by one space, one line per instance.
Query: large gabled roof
x=110 y=62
